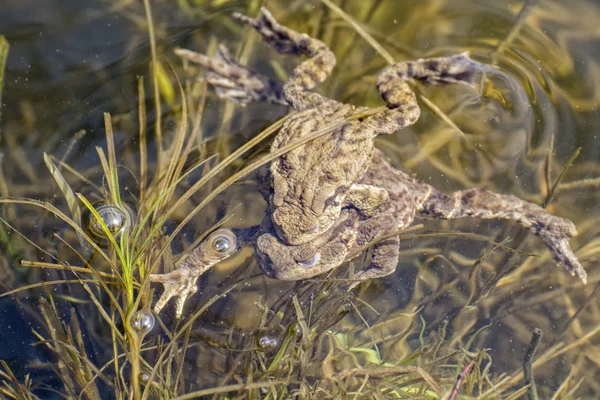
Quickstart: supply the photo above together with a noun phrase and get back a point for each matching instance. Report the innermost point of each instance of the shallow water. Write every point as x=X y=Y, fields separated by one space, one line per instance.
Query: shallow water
x=71 y=61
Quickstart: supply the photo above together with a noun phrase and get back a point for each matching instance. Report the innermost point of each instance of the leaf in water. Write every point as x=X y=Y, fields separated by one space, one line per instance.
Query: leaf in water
x=71 y=201
x=164 y=84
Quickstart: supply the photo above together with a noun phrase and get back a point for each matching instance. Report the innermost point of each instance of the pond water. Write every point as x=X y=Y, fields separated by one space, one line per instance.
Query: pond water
x=453 y=297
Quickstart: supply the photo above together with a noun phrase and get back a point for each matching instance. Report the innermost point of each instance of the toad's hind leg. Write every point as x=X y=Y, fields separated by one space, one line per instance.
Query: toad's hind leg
x=386 y=252
x=393 y=86
x=306 y=75
x=383 y=261
x=479 y=203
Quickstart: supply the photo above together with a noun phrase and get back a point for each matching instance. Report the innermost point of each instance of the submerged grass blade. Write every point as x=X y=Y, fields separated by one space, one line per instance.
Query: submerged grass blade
x=164 y=85
x=84 y=270
x=61 y=165
x=4 y=47
x=110 y=165
x=195 y=135
x=142 y=120
x=59 y=214
x=72 y=203
x=175 y=151
x=554 y=188
x=45 y=284
x=24 y=237
x=155 y=87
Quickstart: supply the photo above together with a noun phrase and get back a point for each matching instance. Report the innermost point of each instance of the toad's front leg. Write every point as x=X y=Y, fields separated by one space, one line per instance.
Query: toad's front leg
x=181 y=282
x=234 y=81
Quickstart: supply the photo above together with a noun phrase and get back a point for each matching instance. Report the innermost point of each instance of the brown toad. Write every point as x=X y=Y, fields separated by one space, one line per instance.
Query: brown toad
x=409 y=198
x=312 y=183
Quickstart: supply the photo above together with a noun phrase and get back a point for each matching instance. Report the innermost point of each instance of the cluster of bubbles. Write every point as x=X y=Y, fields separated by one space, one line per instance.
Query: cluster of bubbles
x=266 y=342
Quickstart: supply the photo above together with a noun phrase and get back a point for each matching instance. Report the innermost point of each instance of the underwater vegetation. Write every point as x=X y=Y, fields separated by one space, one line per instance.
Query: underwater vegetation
x=91 y=207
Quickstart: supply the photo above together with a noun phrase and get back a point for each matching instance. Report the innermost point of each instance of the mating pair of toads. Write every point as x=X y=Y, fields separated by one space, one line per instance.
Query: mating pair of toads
x=336 y=195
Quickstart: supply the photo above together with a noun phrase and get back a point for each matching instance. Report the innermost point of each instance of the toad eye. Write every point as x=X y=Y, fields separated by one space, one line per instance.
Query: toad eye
x=314 y=228
x=311 y=262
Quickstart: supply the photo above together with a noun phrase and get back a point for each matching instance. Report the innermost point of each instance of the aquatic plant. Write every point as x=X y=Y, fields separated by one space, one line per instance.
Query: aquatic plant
x=448 y=323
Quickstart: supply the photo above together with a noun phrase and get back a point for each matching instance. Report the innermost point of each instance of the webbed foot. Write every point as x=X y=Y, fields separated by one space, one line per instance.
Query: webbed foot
x=287 y=41
x=181 y=283
x=556 y=237
x=234 y=81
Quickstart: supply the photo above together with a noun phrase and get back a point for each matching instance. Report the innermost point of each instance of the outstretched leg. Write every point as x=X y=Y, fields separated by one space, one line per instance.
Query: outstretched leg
x=181 y=282
x=306 y=75
x=234 y=81
x=480 y=203
x=393 y=86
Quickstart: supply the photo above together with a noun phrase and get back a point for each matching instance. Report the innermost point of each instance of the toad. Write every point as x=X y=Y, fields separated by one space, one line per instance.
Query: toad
x=352 y=232
x=410 y=198
x=313 y=182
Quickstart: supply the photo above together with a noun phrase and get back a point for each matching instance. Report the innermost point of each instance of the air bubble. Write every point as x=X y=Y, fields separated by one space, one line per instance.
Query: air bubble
x=265 y=342
x=142 y=322
x=117 y=219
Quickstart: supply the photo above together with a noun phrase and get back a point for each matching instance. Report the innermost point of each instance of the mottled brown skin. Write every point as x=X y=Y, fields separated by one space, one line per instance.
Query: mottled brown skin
x=410 y=198
x=279 y=260
x=312 y=183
